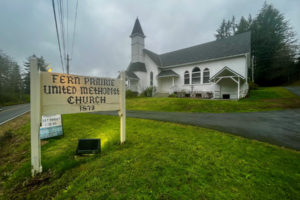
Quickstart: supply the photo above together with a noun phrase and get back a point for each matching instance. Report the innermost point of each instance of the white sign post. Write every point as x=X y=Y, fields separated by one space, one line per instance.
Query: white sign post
x=122 y=112
x=54 y=93
x=35 y=117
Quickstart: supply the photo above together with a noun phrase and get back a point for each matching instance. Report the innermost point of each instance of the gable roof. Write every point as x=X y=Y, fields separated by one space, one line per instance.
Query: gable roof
x=131 y=75
x=137 y=29
x=137 y=67
x=167 y=73
x=155 y=57
x=231 y=46
x=226 y=69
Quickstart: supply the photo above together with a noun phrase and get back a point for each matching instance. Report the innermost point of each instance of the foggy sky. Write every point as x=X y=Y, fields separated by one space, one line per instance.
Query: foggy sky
x=102 y=43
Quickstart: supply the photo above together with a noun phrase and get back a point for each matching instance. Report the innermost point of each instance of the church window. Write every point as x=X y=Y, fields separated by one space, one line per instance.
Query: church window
x=196 y=76
x=151 y=79
x=206 y=75
x=186 y=78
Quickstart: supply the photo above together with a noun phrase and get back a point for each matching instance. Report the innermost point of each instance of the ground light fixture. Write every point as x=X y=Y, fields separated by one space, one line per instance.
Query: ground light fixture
x=88 y=146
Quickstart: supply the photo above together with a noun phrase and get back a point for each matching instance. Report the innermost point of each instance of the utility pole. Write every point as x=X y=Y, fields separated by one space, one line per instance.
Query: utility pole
x=252 y=70
x=68 y=66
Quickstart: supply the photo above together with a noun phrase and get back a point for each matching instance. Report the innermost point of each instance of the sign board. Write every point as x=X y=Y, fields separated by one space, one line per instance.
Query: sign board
x=65 y=93
x=51 y=126
x=54 y=93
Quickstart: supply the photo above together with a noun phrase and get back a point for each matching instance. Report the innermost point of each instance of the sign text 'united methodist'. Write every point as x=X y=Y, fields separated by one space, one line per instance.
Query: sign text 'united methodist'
x=64 y=93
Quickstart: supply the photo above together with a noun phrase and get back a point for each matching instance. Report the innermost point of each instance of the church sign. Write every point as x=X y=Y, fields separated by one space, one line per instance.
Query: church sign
x=64 y=93
x=55 y=93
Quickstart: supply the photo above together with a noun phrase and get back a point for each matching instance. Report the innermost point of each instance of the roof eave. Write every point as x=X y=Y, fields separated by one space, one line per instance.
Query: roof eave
x=137 y=34
x=226 y=68
x=167 y=76
x=203 y=61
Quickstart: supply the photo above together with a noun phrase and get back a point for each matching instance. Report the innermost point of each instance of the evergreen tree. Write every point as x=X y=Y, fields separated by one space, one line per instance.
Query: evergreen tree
x=221 y=31
x=272 y=41
x=226 y=29
x=272 y=44
x=10 y=80
x=42 y=66
x=244 y=25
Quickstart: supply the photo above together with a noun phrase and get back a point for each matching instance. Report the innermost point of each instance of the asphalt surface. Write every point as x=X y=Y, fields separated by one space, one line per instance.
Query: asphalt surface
x=10 y=112
x=281 y=128
x=294 y=89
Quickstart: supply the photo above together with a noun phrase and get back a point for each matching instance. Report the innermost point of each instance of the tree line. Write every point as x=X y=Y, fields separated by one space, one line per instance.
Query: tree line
x=273 y=45
x=15 y=85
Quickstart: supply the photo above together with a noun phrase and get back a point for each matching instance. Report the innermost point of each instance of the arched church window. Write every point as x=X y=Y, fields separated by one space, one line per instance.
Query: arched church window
x=206 y=75
x=186 y=78
x=151 y=78
x=196 y=76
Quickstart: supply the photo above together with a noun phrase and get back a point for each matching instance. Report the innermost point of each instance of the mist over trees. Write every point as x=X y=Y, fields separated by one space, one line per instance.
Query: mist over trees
x=273 y=45
x=14 y=85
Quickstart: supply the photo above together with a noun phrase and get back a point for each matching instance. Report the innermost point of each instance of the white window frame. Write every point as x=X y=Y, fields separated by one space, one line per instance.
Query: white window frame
x=151 y=79
x=206 y=70
x=188 y=77
x=195 y=75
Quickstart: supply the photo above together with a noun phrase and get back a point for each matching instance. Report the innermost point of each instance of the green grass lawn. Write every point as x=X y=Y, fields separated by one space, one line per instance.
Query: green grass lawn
x=159 y=160
x=262 y=99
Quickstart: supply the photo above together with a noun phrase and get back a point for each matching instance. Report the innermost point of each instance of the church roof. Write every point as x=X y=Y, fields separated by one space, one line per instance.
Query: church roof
x=226 y=71
x=137 y=29
x=131 y=75
x=231 y=46
x=155 y=57
x=167 y=73
x=137 y=67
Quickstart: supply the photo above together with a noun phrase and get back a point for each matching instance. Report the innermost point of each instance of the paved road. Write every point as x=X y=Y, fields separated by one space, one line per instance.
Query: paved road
x=294 y=89
x=276 y=127
x=10 y=112
x=281 y=128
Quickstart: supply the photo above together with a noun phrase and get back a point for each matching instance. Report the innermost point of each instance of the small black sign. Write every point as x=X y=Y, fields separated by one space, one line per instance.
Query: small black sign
x=88 y=146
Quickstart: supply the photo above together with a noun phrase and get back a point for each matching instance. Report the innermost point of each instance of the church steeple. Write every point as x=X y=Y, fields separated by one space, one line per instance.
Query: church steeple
x=137 y=43
x=137 y=29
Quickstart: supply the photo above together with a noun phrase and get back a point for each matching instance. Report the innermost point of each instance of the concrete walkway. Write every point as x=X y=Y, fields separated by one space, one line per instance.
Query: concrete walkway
x=281 y=128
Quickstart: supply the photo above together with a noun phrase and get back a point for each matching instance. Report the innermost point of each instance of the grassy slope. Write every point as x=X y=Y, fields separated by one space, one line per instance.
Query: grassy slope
x=159 y=161
x=262 y=99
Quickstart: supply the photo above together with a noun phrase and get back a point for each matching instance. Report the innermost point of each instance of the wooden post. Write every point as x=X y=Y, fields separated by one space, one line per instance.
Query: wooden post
x=35 y=117
x=122 y=112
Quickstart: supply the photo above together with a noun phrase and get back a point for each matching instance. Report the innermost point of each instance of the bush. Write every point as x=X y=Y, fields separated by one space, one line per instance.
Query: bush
x=252 y=86
x=148 y=92
x=131 y=94
x=173 y=95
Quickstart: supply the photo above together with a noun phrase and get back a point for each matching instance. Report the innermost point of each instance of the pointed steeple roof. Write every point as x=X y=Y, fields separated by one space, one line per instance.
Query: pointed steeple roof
x=137 y=29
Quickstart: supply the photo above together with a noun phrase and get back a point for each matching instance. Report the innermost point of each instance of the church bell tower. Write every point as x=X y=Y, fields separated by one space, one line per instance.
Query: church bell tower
x=137 y=43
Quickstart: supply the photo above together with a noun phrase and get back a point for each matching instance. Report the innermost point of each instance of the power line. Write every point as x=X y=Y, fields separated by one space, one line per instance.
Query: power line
x=63 y=31
x=62 y=26
x=57 y=34
x=75 y=22
x=67 y=25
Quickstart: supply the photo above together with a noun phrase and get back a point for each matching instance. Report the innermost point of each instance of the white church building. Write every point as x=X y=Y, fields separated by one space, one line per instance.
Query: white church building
x=217 y=69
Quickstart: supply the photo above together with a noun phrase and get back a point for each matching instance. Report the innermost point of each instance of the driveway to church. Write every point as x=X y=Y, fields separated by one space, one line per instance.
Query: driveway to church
x=294 y=89
x=281 y=128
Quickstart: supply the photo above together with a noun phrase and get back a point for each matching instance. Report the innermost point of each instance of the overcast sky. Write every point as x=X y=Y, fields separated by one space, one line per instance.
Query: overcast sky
x=102 y=43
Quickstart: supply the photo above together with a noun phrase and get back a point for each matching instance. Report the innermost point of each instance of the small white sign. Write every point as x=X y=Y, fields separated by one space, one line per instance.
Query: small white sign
x=52 y=120
x=51 y=126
